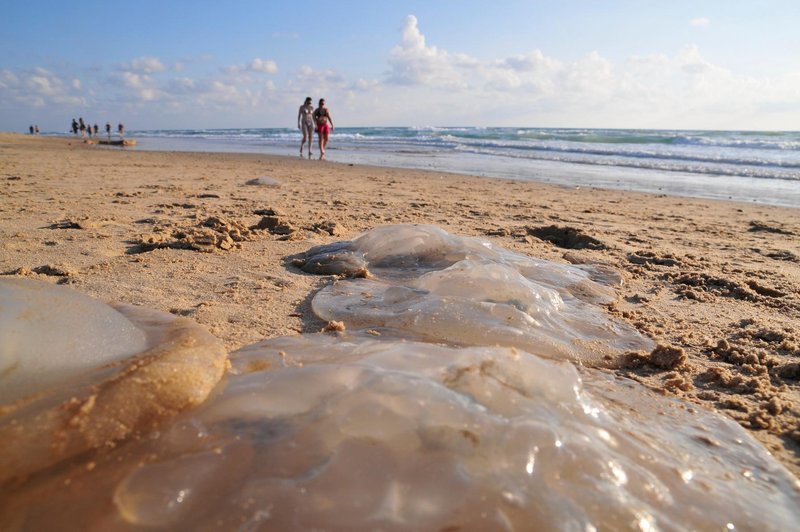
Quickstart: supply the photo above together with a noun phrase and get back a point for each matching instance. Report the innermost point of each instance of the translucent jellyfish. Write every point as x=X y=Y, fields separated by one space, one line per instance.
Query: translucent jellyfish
x=76 y=373
x=358 y=432
x=436 y=409
x=467 y=291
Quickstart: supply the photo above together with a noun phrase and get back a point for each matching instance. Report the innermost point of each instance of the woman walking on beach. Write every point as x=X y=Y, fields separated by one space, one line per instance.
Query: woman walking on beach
x=324 y=126
x=305 y=122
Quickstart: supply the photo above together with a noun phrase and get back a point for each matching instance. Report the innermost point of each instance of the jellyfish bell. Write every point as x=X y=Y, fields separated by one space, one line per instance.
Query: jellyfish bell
x=78 y=374
x=449 y=401
x=353 y=431
x=468 y=291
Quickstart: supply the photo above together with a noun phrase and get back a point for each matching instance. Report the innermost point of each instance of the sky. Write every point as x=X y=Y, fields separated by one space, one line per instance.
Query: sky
x=700 y=64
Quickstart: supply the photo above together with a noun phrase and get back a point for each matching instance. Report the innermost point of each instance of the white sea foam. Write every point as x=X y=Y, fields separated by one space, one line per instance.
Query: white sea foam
x=758 y=166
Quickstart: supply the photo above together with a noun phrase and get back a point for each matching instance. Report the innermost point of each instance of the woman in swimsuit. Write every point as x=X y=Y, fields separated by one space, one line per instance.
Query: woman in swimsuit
x=305 y=123
x=324 y=126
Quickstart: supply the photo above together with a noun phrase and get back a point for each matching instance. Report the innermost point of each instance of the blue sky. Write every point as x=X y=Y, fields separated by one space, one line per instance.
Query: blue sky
x=650 y=64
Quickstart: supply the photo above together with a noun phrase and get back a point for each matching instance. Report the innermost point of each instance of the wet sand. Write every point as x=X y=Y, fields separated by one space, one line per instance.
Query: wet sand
x=206 y=236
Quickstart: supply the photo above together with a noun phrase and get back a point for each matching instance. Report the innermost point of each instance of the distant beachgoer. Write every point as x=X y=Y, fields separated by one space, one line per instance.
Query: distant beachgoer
x=36 y=130
x=82 y=127
x=305 y=122
x=96 y=130
x=30 y=128
x=89 y=130
x=324 y=121
x=108 y=130
x=121 y=130
x=74 y=127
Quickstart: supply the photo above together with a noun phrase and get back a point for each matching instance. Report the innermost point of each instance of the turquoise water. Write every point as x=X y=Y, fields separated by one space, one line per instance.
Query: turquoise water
x=763 y=167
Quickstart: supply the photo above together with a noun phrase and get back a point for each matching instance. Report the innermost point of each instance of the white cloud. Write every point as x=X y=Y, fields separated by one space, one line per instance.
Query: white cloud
x=413 y=62
x=264 y=66
x=317 y=80
x=692 y=63
x=268 y=66
x=365 y=85
x=534 y=61
x=144 y=65
x=136 y=86
x=181 y=86
x=36 y=89
x=652 y=91
x=700 y=21
x=589 y=75
x=426 y=84
x=132 y=80
x=8 y=79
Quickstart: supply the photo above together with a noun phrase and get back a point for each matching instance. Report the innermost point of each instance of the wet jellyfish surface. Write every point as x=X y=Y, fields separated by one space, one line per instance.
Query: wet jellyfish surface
x=356 y=432
x=77 y=373
x=459 y=397
x=466 y=291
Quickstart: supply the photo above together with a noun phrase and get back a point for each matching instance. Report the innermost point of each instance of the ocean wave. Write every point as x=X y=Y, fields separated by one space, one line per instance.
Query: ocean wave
x=715 y=168
x=761 y=144
x=683 y=154
x=747 y=154
x=777 y=141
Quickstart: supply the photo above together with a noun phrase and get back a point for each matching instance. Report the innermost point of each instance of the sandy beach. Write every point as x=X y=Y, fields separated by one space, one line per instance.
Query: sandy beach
x=211 y=237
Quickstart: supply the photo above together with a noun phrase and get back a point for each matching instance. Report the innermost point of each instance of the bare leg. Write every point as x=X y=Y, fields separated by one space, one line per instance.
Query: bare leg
x=308 y=136
x=323 y=139
x=325 y=143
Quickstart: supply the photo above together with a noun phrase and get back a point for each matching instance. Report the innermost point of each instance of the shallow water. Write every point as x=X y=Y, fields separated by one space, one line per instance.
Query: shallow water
x=417 y=420
x=761 y=167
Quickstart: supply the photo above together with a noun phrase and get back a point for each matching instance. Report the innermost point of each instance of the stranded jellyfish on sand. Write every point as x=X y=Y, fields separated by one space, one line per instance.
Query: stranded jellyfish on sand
x=420 y=416
x=77 y=374
x=466 y=291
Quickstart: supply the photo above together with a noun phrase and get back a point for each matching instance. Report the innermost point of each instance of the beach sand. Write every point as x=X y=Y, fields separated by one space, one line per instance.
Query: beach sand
x=212 y=236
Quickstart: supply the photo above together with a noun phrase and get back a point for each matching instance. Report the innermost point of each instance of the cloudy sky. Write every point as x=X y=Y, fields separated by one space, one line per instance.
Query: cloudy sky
x=697 y=64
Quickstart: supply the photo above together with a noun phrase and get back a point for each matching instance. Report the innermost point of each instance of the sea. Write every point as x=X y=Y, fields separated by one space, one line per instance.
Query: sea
x=750 y=166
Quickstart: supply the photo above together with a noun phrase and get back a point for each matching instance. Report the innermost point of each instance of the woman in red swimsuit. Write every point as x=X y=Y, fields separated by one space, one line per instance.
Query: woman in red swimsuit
x=324 y=121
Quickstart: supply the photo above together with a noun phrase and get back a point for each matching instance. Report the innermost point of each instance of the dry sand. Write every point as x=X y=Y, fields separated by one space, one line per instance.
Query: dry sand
x=201 y=235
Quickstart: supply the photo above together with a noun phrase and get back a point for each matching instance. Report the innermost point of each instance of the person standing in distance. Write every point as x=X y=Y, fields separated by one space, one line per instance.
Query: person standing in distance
x=324 y=121
x=305 y=122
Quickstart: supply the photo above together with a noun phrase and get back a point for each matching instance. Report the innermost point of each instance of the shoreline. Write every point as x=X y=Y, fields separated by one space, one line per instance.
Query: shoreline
x=716 y=279
x=780 y=192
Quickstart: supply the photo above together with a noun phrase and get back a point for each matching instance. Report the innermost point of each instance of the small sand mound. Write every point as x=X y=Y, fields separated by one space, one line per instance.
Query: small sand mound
x=212 y=234
x=276 y=225
x=566 y=237
x=763 y=227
